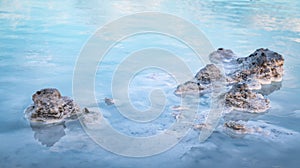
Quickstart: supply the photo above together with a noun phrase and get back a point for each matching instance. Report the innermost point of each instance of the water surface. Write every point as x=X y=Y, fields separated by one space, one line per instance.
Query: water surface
x=40 y=42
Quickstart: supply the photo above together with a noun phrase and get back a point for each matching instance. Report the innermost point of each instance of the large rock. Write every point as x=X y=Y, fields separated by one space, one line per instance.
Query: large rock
x=243 y=75
x=50 y=107
x=263 y=65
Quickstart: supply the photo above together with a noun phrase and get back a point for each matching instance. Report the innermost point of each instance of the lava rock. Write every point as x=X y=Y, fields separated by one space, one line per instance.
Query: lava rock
x=242 y=76
x=202 y=81
x=241 y=98
x=263 y=65
x=50 y=107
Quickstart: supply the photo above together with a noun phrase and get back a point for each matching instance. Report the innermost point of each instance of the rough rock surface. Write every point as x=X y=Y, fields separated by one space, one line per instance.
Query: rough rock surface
x=241 y=98
x=263 y=65
x=50 y=107
x=243 y=75
x=202 y=81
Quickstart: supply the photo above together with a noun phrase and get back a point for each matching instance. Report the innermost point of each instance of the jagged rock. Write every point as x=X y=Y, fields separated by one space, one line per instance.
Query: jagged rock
x=241 y=98
x=263 y=65
x=242 y=76
x=201 y=83
x=209 y=73
x=50 y=107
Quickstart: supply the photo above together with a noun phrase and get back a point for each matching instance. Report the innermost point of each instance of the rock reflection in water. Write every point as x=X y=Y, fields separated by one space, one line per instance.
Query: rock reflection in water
x=270 y=88
x=48 y=134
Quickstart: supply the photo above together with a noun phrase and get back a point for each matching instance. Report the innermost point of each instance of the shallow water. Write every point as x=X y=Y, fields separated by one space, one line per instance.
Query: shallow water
x=40 y=42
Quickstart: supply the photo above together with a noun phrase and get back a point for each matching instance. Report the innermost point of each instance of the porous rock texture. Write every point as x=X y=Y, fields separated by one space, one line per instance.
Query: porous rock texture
x=243 y=76
x=50 y=107
x=202 y=81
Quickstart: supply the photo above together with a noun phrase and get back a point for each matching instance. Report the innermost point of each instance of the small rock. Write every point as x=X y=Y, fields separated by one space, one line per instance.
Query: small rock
x=109 y=101
x=222 y=56
x=235 y=126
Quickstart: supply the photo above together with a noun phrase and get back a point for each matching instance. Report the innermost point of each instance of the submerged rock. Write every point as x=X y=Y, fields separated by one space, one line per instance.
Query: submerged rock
x=236 y=126
x=238 y=129
x=50 y=107
x=109 y=101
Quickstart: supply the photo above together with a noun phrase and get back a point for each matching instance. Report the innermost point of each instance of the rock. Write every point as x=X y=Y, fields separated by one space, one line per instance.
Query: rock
x=189 y=87
x=263 y=65
x=242 y=76
x=241 y=98
x=50 y=107
x=261 y=129
x=208 y=74
x=109 y=101
x=222 y=56
x=236 y=126
x=202 y=81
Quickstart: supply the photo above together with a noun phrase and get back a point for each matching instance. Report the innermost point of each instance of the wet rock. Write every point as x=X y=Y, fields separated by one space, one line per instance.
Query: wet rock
x=263 y=65
x=222 y=56
x=242 y=76
x=236 y=126
x=202 y=81
x=241 y=98
x=261 y=129
x=50 y=107
x=109 y=101
x=208 y=74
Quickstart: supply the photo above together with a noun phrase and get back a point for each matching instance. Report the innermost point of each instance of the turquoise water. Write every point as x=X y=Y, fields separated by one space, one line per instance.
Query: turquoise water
x=40 y=42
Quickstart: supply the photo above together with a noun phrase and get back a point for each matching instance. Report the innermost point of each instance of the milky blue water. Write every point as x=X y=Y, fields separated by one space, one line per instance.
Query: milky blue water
x=40 y=42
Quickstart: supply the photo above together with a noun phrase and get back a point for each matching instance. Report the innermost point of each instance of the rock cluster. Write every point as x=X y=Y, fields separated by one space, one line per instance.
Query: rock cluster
x=243 y=77
x=50 y=107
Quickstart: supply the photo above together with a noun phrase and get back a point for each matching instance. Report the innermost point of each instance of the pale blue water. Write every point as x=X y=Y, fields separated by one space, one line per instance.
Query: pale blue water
x=40 y=42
